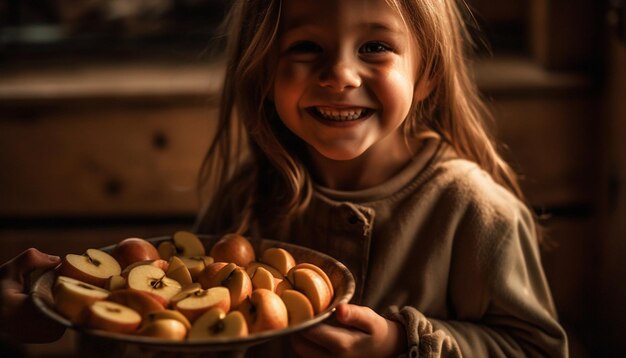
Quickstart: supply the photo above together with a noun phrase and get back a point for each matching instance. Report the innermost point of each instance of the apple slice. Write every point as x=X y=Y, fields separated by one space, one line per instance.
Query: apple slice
x=208 y=273
x=264 y=310
x=166 y=314
x=299 y=308
x=167 y=328
x=179 y=271
x=112 y=317
x=233 y=248
x=262 y=278
x=153 y=280
x=185 y=292
x=320 y=272
x=279 y=259
x=139 y=301
x=312 y=285
x=160 y=263
x=183 y=243
x=236 y=280
x=134 y=249
x=201 y=301
x=253 y=266
x=215 y=323
x=94 y=267
x=195 y=264
x=72 y=296
x=115 y=282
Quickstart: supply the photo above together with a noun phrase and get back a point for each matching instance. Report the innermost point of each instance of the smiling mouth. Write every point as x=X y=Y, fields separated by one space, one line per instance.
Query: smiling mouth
x=340 y=115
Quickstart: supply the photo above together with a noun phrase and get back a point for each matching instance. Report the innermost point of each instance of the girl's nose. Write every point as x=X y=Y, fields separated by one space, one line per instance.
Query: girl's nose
x=340 y=75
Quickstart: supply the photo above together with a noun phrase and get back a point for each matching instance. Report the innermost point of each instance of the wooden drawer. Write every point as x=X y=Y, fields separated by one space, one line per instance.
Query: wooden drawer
x=95 y=160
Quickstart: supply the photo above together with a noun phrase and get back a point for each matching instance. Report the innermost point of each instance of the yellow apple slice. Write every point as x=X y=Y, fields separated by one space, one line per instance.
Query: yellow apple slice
x=153 y=280
x=166 y=314
x=312 y=285
x=236 y=280
x=215 y=323
x=279 y=259
x=320 y=272
x=201 y=301
x=112 y=317
x=72 y=296
x=178 y=271
x=264 y=310
x=170 y=329
x=185 y=292
x=299 y=308
x=262 y=278
x=93 y=267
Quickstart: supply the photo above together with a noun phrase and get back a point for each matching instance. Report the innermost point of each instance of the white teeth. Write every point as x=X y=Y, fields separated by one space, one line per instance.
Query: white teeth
x=340 y=115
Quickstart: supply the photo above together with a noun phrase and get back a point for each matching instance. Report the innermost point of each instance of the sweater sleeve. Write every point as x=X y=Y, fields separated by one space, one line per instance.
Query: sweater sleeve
x=515 y=316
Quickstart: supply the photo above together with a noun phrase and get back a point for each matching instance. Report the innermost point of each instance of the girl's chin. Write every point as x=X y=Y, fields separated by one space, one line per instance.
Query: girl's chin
x=337 y=154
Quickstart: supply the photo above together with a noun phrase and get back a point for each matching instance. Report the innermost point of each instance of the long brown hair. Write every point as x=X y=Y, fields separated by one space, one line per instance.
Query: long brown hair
x=247 y=119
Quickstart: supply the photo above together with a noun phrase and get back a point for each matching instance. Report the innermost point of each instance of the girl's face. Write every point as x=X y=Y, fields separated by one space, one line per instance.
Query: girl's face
x=346 y=76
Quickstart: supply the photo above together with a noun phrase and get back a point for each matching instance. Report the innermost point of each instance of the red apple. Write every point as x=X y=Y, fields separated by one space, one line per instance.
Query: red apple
x=133 y=250
x=233 y=248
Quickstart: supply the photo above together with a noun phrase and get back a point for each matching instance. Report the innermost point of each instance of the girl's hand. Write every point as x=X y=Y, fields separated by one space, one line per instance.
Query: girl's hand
x=361 y=332
x=20 y=319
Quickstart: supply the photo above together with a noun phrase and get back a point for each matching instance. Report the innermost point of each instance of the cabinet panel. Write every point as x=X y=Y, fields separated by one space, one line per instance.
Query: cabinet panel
x=103 y=160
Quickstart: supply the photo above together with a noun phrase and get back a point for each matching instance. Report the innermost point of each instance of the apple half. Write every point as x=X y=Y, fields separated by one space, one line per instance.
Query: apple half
x=201 y=301
x=216 y=323
x=153 y=280
x=93 y=267
x=112 y=317
x=182 y=243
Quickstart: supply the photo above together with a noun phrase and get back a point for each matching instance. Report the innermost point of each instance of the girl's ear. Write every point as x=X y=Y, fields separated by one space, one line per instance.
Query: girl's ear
x=423 y=88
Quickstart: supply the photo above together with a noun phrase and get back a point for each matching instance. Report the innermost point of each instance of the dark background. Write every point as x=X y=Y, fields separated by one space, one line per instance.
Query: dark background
x=107 y=107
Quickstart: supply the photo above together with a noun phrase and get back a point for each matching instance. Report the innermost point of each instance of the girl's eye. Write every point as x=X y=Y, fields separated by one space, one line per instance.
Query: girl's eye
x=305 y=47
x=375 y=47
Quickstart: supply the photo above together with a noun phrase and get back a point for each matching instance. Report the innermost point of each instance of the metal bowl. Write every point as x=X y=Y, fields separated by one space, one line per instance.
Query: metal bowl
x=340 y=276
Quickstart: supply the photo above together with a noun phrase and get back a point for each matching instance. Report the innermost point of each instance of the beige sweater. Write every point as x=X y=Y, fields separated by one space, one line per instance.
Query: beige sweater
x=446 y=251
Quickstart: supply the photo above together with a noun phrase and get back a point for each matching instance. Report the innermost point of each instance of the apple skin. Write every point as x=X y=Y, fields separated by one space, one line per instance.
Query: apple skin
x=312 y=285
x=215 y=323
x=264 y=310
x=233 y=248
x=112 y=317
x=236 y=280
x=134 y=249
x=139 y=301
x=206 y=276
x=299 y=308
x=167 y=328
x=72 y=297
x=278 y=258
x=319 y=272
x=160 y=263
x=92 y=258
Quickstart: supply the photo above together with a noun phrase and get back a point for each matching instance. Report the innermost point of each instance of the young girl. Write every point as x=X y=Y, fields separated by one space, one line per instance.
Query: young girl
x=353 y=127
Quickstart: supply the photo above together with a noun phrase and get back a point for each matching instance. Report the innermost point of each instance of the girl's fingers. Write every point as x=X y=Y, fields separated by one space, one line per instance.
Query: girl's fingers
x=305 y=348
x=30 y=260
x=333 y=338
x=359 y=317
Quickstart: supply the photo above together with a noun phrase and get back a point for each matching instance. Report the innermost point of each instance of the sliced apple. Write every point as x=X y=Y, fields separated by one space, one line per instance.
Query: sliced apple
x=279 y=259
x=170 y=329
x=72 y=296
x=320 y=272
x=283 y=285
x=299 y=308
x=140 y=301
x=179 y=271
x=236 y=280
x=166 y=314
x=264 y=310
x=233 y=248
x=115 y=282
x=153 y=280
x=112 y=317
x=160 y=263
x=183 y=243
x=208 y=273
x=262 y=278
x=312 y=285
x=185 y=292
x=201 y=301
x=251 y=268
x=93 y=267
x=215 y=323
x=195 y=264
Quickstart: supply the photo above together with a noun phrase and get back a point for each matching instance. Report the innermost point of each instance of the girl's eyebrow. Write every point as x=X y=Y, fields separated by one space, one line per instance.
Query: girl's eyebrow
x=297 y=24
